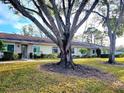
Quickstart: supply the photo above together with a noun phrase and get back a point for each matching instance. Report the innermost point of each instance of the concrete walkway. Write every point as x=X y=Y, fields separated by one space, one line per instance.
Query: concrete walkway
x=26 y=60
x=22 y=60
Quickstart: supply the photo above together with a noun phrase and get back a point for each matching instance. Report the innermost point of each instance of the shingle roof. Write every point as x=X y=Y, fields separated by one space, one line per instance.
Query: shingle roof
x=21 y=38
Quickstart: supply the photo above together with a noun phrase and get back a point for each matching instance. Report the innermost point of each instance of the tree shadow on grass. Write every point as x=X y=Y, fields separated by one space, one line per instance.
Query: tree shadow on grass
x=82 y=71
x=114 y=64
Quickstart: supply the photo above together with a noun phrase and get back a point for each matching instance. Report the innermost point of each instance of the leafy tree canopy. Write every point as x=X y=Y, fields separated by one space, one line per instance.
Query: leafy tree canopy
x=1 y=45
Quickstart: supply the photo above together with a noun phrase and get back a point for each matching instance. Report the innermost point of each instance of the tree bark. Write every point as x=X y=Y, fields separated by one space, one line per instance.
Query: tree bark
x=66 y=59
x=112 y=49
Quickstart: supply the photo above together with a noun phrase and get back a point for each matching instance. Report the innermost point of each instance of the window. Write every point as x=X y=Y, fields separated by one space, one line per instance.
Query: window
x=9 y=48
x=54 y=50
x=36 y=50
x=72 y=50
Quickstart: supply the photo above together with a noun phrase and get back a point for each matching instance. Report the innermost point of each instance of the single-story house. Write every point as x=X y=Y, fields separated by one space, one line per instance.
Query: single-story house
x=27 y=44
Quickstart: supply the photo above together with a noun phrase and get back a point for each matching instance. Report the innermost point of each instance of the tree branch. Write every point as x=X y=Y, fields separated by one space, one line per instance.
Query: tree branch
x=78 y=12
x=121 y=15
x=87 y=15
x=55 y=30
x=75 y=28
x=95 y=13
x=68 y=16
x=30 y=10
x=64 y=9
x=41 y=14
x=16 y=4
x=58 y=18
x=108 y=19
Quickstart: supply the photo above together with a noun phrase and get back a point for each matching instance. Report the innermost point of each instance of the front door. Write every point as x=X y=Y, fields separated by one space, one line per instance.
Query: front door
x=24 y=51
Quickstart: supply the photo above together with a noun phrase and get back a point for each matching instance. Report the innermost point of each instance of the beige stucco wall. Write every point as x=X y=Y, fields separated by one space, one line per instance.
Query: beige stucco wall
x=46 y=49
x=29 y=49
x=76 y=51
x=17 y=48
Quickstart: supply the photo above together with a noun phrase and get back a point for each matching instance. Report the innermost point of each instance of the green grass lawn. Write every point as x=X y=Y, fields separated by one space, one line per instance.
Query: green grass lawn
x=24 y=77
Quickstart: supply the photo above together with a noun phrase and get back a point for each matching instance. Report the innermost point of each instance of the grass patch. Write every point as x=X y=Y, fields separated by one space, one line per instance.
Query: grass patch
x=25 y=78
x=118 y=71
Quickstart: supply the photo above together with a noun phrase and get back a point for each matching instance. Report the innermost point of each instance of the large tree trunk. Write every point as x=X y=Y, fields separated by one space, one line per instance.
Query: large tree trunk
x=66 y=60
x=65 y=53
x=112 y=49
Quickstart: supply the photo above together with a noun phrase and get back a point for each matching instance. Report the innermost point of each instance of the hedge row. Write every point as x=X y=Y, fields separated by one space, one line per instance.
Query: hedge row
x=14 y=56
x=107 y=55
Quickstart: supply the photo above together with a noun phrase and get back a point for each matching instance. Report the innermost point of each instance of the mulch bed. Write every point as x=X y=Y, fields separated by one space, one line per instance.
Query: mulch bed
x=82 y=71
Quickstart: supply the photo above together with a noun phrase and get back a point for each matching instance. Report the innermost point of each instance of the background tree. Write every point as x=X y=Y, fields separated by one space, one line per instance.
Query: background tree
x=31 y=30
x=89 y=34
x=93 y=35
x=1 y=46
x=114 y=24
x=57 y=21
x=98 y=52
x=112 y=13
x=27 y=30
x=120 y=48
x=83 y=50
x=100 y=38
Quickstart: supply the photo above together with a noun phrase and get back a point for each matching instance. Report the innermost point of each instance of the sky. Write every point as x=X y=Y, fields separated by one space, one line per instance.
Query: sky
x=11 y=23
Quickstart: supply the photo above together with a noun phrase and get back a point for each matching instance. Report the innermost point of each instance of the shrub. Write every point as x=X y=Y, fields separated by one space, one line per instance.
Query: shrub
x=19 y=55
x=121 y=55
x=98 y=52
x=1 y=45
x=51 y=56
x=10 y=56
x=107 y=55
x=7 y=56
x=104 y=55
x=38 y=56
x=15 y=56
x=41 y=55
x=31 y=55
x=83 y=50
x=94 y=56
x=76 y=56
x=35 y=56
